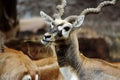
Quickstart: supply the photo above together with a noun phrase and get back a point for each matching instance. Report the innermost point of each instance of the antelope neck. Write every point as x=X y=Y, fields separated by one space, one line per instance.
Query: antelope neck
x=68 y=53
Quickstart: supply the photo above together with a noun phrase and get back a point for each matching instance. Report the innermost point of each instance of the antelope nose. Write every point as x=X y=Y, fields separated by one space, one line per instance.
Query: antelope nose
x=46 y=36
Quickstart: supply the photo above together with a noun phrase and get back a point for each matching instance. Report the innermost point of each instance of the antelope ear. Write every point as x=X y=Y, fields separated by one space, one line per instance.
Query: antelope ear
x=78 y=22
x=47 y=18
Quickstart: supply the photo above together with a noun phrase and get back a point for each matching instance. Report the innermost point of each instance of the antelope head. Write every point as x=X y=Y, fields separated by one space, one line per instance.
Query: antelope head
x=60 y=29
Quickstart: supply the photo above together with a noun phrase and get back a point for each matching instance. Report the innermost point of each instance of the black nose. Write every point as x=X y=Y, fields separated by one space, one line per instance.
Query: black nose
x=60 y=34
x=47 y=36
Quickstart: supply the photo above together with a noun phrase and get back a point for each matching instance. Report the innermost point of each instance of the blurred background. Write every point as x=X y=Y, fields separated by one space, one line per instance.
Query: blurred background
x=100 y=32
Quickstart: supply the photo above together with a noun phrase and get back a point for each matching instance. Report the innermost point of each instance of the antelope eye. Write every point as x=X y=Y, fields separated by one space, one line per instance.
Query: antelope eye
x=52 y=23
x=66 y=28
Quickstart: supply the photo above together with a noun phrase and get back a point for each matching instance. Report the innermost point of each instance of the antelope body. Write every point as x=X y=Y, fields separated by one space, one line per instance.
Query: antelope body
x=14 y=65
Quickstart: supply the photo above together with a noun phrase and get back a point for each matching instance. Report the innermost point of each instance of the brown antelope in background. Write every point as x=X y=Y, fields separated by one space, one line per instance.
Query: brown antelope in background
x=74 y=65
x=15 y=65
x=32 y=48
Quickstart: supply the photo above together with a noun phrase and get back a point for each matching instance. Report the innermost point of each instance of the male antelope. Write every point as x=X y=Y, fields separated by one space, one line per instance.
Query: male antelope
x=14 y=65
x=74 y=65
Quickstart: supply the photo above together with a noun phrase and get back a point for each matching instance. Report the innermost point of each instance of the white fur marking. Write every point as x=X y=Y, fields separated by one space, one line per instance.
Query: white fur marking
x=68 y=73
x=60 y=28
x=65 y=34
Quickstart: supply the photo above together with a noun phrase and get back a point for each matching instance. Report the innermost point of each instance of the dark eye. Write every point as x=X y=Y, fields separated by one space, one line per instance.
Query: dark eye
x=53 y=23
x=66 y=28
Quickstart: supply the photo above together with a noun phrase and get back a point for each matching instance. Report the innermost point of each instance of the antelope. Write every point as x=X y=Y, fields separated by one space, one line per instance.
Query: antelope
x=63 y=35
x=14 y=65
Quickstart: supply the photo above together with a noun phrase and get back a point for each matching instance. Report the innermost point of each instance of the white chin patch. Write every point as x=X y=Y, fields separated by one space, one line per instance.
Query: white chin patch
x=27 y=77
x=65 y=34
x=43 y=42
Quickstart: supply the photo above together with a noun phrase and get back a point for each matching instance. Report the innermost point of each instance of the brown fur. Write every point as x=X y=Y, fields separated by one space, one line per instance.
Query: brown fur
x=49 y=69
x=45 y=61
x=14 y=65
x=33 y=49
x=21 y=65
x=116 y=63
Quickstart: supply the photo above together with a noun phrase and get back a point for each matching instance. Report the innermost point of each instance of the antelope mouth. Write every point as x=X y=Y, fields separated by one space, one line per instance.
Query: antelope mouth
x=48 y=40
x=43 y=41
